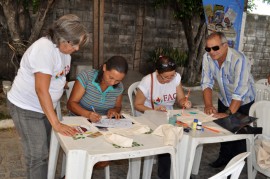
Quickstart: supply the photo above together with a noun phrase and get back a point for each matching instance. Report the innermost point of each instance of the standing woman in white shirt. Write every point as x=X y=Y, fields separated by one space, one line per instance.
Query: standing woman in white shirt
x=38 y=87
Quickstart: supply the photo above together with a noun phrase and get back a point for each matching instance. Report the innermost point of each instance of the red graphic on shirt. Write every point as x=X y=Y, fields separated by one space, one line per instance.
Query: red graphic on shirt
x=166 y=97
x=64 y=72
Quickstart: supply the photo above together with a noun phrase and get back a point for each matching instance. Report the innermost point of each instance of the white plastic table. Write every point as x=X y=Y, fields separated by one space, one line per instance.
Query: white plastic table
x=191 y=147
x=82 y=154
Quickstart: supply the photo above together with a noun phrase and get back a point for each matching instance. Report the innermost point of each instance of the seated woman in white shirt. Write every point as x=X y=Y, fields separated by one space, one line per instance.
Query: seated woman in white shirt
x=166 y=90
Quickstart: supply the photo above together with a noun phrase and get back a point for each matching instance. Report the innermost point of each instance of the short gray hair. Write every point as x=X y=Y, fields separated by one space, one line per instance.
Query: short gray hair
x=221 y=35
x=68 y=28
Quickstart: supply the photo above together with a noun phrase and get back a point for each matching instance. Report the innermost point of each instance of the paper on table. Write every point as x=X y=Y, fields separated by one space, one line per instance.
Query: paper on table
x=113 y=123
x=191 y=114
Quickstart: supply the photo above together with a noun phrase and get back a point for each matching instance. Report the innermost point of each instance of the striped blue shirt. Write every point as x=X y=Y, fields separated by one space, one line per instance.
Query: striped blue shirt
x=233 y=77
x=93 y=96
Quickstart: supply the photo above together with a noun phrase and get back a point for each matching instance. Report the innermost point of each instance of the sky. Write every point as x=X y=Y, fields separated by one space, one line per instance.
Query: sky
x=262 y=8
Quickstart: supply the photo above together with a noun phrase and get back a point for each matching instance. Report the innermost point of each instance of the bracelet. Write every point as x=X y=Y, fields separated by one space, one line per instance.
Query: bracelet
x=228 y=111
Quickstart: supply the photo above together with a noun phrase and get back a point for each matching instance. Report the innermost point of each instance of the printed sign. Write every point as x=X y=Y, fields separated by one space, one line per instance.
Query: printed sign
x=225 y=16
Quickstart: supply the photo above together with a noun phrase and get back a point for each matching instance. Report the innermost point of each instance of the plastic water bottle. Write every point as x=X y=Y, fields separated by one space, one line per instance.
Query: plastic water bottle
x=199 y=126
x=172 y=120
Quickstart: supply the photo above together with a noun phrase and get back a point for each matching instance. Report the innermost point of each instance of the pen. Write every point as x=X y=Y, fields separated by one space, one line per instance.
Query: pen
x=93 y=108
x=211 y=129
x=182 y=123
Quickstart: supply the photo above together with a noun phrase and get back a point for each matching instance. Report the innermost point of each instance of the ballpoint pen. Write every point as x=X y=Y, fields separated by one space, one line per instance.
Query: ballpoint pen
x=93 y=109
x=211 y=129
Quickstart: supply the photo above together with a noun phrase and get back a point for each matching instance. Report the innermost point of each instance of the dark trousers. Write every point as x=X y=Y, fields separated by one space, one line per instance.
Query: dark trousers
x=230 y=149
x=164 y=166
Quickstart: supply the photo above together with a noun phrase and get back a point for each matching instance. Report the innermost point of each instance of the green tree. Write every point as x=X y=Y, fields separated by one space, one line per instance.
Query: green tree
x=188 y=12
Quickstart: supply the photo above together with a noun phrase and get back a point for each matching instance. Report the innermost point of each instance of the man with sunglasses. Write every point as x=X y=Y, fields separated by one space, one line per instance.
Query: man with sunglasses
x=230 y=69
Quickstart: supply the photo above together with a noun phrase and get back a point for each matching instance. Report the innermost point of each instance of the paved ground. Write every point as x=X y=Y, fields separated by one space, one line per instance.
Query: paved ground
x=12 y=161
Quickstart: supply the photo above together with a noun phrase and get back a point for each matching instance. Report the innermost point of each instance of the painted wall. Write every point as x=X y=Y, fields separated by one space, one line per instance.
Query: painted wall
x=133 y=28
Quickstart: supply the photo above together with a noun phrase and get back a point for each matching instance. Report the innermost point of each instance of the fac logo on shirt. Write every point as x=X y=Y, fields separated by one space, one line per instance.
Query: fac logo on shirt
x=166 y=98
x=158 y=101
x=64 y=72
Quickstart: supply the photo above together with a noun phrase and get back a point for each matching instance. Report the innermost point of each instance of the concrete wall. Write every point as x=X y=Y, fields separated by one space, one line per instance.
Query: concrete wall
x=133 y=28
x=257 y=44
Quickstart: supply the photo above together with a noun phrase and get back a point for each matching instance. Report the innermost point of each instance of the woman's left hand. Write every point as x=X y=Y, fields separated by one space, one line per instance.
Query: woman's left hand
x=65 y=129
x=113 y=113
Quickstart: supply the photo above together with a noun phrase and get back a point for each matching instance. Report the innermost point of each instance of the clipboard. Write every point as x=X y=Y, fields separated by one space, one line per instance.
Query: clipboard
x=235 y=122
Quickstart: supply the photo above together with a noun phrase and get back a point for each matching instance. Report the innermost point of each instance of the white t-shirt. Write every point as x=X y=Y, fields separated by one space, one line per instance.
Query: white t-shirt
x=163 y=94
x=42 y=56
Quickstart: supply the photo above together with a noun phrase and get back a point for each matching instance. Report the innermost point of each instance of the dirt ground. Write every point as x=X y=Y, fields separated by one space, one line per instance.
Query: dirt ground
x=4 y=112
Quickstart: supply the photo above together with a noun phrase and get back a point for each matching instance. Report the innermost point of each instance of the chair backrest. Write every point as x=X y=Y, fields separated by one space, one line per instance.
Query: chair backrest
x=233 y=168
x=262 y=92
x=263 y=82
x=261 y=110
x=70 y=86
x=132 y=91
x=58 y=106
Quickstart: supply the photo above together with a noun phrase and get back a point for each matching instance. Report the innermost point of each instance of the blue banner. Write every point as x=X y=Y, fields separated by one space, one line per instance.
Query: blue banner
x=225 y=16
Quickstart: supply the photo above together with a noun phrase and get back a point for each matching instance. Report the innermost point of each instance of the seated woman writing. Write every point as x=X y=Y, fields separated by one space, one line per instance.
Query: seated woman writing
x=99 y=92
x=159 y=91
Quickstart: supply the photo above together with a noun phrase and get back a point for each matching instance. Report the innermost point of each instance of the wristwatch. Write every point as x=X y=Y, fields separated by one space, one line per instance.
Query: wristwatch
x=228 y=111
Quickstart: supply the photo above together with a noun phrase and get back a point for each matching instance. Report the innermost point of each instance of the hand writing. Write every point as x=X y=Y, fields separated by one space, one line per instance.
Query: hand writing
x=94 y=117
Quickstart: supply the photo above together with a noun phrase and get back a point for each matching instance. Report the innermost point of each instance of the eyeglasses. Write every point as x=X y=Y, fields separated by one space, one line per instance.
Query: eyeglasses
x=73 y=45
x=215 y=48
x=169 y=64
x=167 y=78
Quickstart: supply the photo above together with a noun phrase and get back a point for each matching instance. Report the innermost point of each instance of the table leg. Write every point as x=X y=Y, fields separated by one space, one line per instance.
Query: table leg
x=189 y=161
x=250 y=146
x=134 y=168
x=53 y=156
x=63 y=169
x=181 y=156
x=197 y=162
x=173 y=164
x=147 y=166
x=107 y=172
x=79 y=165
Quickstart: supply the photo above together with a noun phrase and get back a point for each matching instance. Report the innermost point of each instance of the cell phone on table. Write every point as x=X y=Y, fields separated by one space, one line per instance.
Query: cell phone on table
x=121 y=117
x=99 y=128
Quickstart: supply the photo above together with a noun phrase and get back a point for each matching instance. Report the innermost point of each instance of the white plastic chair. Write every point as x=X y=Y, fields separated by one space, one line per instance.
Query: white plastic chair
x=233 y=168
x=262 y=90
x=132 y=91
x=263 y=81
x=261 y=110
x=68 y=92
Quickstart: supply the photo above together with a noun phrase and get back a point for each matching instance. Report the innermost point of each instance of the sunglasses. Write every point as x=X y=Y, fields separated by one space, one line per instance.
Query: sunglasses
x=215 y=48
x=169 y=64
